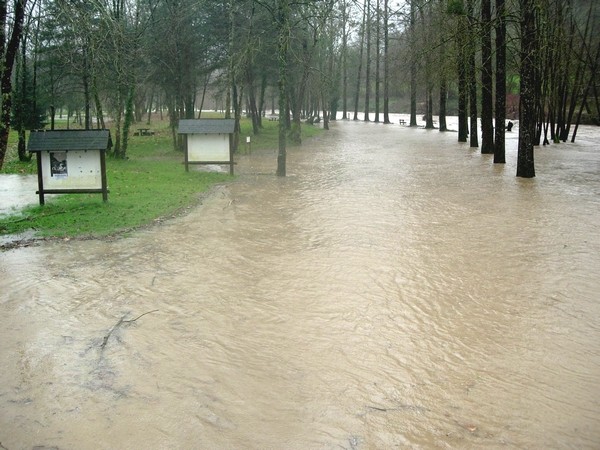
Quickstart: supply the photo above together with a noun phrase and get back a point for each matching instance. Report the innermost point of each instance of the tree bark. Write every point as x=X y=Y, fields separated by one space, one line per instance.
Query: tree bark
x=463 y=93
x=128 y=121
x=443 y=81
x=368 y=66
x=413 y=65
x=428 y=68
x=386 y=64
x=377 y=61
x=471 y=79
x=500 y=110
x=487 y=105
x=525 y=162
x=8 y=54
x=283 y=14
x=21 y=102
x=344 y=61
x=360 y=60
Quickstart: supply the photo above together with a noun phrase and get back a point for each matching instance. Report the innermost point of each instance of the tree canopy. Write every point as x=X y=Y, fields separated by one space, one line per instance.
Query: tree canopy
x=114 y=62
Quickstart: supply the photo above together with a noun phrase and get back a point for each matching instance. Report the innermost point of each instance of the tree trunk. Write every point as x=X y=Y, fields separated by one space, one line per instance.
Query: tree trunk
x=368 y=68
x=99 y=113
x=86 y=91
x=499 y=144
x=128 y=121
x=261 y=104
x=487 y=101
x=283 y=14
x=377 y=60
x=295 y=134
x=471 y=81
x=525 y=163
x=463 y=94
x=413 y=65
x=428 y=69
x=8 y=53
x=21 y=100
x=443 y=98
x=254 y=114
x=578 y=81
x=360 y=61
x=386 y=64
x=344 y=61
x=149 y=107
x=443 y=80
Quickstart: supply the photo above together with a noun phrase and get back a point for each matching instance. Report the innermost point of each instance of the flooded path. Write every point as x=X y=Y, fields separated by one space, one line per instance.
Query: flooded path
x=396 y=290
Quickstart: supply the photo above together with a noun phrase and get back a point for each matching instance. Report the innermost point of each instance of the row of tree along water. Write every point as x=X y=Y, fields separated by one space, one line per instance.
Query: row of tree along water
x=303 y=60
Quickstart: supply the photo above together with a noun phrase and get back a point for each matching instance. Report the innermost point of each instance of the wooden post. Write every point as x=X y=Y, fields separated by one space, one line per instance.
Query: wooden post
x=231 y=154
x=185 y=151
x=103 y=175
x=38 y=157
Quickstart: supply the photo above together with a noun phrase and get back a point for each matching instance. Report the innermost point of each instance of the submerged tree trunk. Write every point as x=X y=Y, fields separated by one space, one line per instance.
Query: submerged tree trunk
x=443 y=80
x=344 y=58
x=593 y=66
x=428 y=69
x=377 y=60
x=500 y=110
x=413 y=65
x=487 y=105
x=368 y=65
x=386 y=64
x=283 y=14
x=463 y=94
x=525 y=163
x=471 y=79
x=360 y=60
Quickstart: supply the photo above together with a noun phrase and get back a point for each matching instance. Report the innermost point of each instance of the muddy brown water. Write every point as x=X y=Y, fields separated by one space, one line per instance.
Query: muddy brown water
x=396 y=290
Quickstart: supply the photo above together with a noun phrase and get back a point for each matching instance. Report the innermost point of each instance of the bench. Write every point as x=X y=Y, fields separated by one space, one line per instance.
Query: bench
x=144 y=132
x=402 y=122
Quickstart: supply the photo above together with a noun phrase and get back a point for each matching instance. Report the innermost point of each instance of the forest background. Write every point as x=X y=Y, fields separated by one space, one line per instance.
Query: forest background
x=114 y=63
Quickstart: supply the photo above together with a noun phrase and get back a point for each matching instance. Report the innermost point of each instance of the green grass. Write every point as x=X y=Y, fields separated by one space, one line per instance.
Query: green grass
x=149 y=185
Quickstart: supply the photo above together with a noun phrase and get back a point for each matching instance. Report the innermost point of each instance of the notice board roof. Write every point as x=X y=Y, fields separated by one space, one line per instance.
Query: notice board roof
x=65 y=140
x=206 y=126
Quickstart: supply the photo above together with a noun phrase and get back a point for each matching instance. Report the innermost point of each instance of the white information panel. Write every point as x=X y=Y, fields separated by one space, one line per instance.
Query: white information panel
x=208 y=147
x=75 y=169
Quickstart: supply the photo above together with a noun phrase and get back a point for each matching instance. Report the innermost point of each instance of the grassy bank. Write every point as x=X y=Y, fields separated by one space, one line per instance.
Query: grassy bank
x=149 y=185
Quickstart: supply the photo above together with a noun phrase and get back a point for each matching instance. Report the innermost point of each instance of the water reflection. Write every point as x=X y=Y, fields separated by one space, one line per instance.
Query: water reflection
x=396 y=290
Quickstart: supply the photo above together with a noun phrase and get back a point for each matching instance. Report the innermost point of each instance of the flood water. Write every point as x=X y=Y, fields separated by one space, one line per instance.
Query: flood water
x=396 y=290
